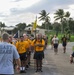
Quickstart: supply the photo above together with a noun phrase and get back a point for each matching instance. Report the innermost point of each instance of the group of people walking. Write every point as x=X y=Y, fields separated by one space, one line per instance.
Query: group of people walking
x=18 y=52
x=54 y=40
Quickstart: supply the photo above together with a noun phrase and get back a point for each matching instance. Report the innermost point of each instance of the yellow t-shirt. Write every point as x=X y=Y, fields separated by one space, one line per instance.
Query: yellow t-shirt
x=37 y=48
x=22 y=46
x=29 y=41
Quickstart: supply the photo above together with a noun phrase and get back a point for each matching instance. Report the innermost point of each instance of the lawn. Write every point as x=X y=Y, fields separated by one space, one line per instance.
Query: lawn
x=60 y=36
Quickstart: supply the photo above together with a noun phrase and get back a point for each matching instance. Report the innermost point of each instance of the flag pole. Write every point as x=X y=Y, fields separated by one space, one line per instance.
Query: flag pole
x=18 y=34
x=35 y=33
x=35 y=26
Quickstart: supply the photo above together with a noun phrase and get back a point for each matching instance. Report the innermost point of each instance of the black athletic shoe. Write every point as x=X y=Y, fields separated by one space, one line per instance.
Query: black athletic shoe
x=24 y=71
x=37 y=70
x=40 y=70
x=21 y=71
x=27 y=66
x=29 y=63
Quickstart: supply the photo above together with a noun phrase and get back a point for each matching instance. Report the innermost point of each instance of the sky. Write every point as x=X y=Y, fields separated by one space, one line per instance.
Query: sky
x=13 y=12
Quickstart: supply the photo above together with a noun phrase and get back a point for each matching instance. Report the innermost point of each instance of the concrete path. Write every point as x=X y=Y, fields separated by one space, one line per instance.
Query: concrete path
x=54 y=64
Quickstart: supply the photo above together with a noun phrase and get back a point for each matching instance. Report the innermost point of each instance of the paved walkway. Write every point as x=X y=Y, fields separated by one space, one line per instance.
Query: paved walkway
x=54 y=64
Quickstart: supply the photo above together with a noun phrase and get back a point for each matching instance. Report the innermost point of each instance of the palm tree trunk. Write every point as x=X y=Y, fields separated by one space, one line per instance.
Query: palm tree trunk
x=62 y=29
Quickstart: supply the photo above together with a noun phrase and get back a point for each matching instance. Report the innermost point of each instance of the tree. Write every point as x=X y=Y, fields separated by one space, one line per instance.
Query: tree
x=15 y=30
x=71 y=25
x=64 y=24
x=2 y=25
x=21 y=26
x=59 y=15
x=56 y=27
x=62 y=16
x=43 y=26
x=67 y=15
x=29 y=25
x=44 y=16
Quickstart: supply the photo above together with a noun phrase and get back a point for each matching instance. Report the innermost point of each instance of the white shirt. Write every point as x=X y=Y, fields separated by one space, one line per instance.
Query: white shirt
x=55 y=40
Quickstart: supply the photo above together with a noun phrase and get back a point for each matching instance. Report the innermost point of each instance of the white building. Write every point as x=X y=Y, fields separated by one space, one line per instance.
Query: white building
x=38 y=30
x=7 y=29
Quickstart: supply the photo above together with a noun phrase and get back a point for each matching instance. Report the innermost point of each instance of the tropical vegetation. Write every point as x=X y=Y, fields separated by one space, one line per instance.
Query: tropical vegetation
x=63 y=23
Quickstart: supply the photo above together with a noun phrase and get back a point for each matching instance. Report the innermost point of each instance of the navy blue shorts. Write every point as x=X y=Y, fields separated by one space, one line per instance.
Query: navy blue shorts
x=64 y=44
x=39 y=55
x=23 y=56
x=55 y=45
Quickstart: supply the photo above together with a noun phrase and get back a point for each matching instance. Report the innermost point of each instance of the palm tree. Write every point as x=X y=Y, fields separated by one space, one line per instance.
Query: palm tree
x=67 y=15
x=62 y=16
x=59 y=15
x=64 y=24
x=71 y=25
x=44 y=16
x=56 y=27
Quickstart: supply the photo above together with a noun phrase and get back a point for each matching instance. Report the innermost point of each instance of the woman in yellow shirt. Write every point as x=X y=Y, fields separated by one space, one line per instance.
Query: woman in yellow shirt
x=38 y=45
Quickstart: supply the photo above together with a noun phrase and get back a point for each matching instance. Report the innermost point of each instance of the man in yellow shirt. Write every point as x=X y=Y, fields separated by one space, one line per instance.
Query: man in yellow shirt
x=22 y=47
x=27 y=39
x=38 y=45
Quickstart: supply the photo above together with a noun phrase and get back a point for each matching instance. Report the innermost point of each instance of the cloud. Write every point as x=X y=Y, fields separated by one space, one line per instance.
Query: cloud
x=15 y=0
x=22 y=18
x=13 y=12
x=49 y=5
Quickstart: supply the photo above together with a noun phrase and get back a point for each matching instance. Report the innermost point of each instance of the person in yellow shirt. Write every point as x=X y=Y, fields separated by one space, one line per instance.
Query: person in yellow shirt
x=38 y=45
x=27 y=39
x=22 y=47
x=29 y=51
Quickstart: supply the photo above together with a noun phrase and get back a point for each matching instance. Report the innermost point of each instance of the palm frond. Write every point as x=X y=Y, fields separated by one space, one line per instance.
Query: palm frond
x=56 y=16
x=67 y=14
x=57 y=19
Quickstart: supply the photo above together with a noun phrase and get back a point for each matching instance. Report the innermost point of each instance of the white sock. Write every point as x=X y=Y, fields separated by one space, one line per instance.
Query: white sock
x=21 y=68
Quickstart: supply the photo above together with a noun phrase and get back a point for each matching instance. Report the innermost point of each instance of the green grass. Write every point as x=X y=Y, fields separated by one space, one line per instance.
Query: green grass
x=72 y=38
x=60 y=36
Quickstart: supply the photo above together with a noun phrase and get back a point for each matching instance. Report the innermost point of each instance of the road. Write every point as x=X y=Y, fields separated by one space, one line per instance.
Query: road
x=54 y=64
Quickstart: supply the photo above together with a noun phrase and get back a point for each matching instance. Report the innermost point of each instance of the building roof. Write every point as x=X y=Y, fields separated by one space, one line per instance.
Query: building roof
x=7 y=28
x=27 y=28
